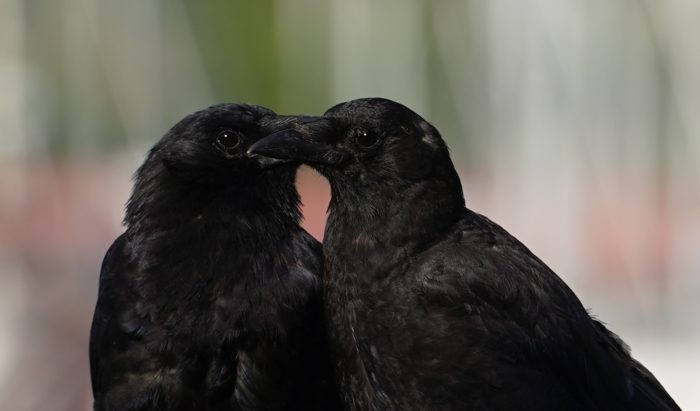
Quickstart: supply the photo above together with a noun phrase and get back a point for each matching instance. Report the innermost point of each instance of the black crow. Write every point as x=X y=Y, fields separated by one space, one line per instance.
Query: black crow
x=431 y=306
x=211 y=299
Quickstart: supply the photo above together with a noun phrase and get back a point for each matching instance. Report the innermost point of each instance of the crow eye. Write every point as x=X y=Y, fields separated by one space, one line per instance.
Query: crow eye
x=366 y=140
x=228 y=140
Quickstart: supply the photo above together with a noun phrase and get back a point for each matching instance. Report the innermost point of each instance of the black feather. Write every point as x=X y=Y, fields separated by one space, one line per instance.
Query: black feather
x=211 y=298
x=431 y=306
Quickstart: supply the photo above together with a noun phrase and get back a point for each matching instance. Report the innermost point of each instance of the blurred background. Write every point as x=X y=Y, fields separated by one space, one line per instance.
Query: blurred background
x=574 y=124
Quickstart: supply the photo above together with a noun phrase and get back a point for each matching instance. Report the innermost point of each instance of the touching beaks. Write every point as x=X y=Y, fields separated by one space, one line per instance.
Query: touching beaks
x=302 y=141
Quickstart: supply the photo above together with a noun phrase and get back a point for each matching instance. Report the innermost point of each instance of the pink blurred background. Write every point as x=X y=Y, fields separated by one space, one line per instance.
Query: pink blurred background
x=573 y=124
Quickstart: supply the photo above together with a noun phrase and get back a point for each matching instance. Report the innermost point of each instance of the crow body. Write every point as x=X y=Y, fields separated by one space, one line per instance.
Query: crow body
x=211 y=299
x=431 y=306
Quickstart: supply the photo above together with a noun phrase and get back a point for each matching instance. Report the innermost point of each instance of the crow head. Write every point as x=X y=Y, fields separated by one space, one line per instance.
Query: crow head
x=209 y=146
x=199 y=169
x=368 y=146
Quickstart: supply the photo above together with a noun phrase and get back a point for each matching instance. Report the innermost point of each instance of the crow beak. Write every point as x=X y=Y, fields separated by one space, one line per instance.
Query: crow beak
x=265 y=162
x=302 y=141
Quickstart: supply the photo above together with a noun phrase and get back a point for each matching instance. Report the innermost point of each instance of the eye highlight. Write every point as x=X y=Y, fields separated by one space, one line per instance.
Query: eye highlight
x=227 y=140
x=366 y=140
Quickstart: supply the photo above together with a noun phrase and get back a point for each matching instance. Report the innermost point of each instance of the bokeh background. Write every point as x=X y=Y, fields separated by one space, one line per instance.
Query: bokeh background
x=574 y=123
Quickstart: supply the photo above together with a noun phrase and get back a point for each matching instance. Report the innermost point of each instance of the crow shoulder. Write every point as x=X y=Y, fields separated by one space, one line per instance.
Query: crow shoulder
x=116 y=321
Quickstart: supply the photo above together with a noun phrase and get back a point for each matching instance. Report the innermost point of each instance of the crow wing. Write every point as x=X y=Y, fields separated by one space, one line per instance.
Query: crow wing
x=125 y=375
x=515 y=327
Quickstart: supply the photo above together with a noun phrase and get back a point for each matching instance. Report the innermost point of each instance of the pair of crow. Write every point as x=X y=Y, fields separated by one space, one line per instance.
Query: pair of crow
x=216 y=299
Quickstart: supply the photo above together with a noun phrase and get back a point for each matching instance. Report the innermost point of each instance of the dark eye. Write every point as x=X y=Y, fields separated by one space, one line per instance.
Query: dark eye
x=228 y=140
x=366 y=140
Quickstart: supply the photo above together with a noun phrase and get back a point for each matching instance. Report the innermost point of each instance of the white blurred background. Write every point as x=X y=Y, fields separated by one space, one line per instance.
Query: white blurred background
x=574 y=124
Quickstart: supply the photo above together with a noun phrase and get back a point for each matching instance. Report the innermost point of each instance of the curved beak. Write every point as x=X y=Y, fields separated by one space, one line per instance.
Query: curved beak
x=304 y=140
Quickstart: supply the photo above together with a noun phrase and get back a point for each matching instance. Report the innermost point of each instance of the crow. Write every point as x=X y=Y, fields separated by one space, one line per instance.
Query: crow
x=431 y=306
x=211 y=298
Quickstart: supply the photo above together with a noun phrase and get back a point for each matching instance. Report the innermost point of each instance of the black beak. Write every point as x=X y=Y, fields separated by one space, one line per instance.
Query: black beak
x=304 y=140
x=265 y=162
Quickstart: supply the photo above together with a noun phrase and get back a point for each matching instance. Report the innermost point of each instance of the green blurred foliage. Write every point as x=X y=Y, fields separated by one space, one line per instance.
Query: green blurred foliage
x=238 y=44
x=90 y=61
